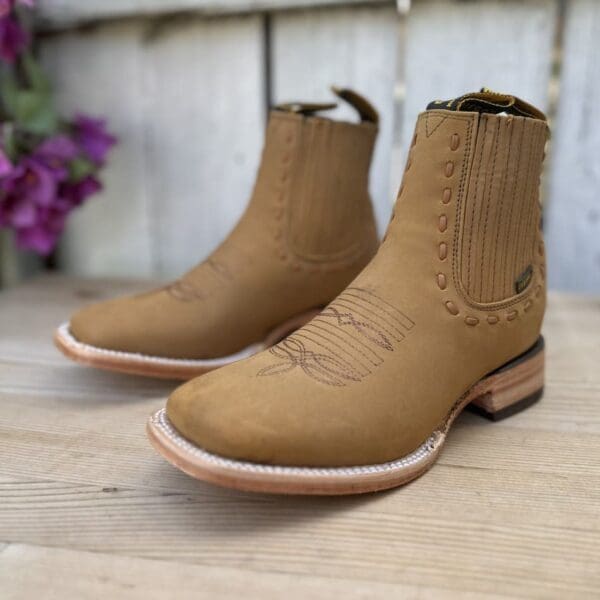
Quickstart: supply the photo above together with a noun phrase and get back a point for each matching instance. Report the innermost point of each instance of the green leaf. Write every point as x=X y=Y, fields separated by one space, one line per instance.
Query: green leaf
x=34 y=112
x=9 y=142
x=35 y=76
x=9 y=91
x=79 y=168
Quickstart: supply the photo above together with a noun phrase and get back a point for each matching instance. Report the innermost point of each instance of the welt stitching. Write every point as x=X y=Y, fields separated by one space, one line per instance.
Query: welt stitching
x=487 y=209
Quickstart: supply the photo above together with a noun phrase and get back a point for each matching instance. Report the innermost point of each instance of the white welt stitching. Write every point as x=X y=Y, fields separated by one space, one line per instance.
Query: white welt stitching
x=64 y=333
x=162 y=423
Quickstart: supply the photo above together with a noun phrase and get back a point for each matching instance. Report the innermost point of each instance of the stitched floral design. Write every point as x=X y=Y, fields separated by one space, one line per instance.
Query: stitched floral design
x=322 y=367
x=345 y=342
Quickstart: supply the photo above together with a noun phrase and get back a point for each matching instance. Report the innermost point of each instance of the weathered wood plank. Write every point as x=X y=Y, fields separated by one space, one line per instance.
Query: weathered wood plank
x=456 y=47
x=573 y=213
x=509 y=509
x=63 y=13
x=64 y=574
x=350 y=540
x=350 y=47
x=186 y=101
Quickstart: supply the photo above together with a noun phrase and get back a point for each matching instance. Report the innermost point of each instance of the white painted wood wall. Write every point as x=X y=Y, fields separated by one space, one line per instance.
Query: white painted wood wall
x=188 y=94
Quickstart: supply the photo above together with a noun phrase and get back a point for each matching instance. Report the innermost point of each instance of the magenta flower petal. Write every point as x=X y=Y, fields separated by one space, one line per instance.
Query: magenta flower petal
x=92 y=137
x=37 y=238
x=5 y=164
x=75 y=194
x=54 y=153
x=39 y=182
x=13 y=39
x=58 y=147
x=24 y=214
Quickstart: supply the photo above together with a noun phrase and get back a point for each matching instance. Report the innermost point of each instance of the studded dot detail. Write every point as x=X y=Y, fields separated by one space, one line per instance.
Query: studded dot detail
x=528 y=304
x=449 y=171
x=512 y=315
x=443 y=223
x=454 y=141
x=492 y=319
x=443 y=251
x=452 y=308
x=472 y=321
x=441 y=281
x=446 y=196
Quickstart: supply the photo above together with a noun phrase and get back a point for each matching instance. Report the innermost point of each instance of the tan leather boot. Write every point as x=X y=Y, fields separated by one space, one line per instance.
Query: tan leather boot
x=447 y=314
x=306 y=233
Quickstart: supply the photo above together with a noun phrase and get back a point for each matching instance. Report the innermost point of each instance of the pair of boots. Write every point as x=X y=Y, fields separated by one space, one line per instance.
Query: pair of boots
x=390 y=342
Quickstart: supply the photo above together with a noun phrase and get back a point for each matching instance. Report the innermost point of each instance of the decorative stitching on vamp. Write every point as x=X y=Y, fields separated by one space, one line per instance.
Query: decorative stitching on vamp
x=344 y=342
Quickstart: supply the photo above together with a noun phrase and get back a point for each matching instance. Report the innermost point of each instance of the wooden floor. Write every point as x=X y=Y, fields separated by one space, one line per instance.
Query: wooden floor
x=87 y=510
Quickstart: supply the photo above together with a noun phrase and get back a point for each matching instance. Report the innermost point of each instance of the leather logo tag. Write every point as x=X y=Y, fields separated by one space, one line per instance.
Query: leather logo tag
x=524 y=279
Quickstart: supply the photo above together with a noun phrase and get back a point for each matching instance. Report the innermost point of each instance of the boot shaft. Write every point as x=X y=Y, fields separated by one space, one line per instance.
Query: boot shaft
x=312 y=185
x=474 y=169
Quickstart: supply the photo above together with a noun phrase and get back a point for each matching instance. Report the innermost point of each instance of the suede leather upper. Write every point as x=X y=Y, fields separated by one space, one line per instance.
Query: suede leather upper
x=443 y=303
x=307 y=231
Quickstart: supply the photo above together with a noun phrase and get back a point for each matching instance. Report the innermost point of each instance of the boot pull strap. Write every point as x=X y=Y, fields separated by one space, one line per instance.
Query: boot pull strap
x=305 y=108
x=362 y=106
x=491 y=102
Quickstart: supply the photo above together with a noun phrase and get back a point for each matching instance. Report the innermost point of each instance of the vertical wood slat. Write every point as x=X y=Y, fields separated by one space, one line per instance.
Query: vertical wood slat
x=456 y=47
x=573 y=214
x=348 y=47
x=205 y=120
x=186 y=101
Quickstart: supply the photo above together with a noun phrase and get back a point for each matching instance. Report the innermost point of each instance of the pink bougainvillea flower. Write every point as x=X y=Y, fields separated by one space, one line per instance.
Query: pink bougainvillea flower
x=58 y=147
x=5 y=164
x=55 y=152
x=75 y=194
x=7 y=5
x=13 y=39
x=29 y=187
x=43 y=235
x=92 y=137
x=38 y=182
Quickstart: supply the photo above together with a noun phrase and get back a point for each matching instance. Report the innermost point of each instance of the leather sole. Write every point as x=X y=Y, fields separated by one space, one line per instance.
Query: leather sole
x=513 y=387
x=163 y=367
